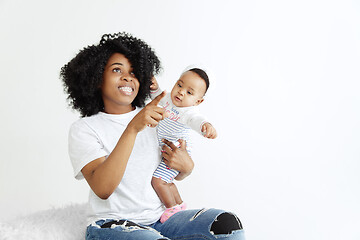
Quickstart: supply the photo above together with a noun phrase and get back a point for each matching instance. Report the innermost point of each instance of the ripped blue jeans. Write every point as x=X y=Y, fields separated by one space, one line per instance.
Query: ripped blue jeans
x=190 y=224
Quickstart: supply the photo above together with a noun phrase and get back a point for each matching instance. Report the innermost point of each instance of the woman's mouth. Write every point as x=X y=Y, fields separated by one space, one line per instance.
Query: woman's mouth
x=126 y=90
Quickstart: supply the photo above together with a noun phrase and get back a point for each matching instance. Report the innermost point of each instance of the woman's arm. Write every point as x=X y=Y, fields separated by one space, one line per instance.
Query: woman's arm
x=105 y=174
x=178 y=158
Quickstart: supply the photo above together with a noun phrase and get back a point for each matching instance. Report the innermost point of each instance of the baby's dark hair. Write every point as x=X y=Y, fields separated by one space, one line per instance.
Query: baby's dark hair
x=83 y=75
x=202 y=74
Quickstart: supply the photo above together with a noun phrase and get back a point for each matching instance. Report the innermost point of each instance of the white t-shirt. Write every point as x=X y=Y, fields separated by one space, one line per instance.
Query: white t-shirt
x=134 y=199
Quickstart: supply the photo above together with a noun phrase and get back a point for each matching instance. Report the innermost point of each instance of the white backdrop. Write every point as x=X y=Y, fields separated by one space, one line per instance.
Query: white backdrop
x=286 y=105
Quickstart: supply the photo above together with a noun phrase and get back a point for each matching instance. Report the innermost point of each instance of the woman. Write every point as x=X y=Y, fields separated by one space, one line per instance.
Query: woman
x=114 y=146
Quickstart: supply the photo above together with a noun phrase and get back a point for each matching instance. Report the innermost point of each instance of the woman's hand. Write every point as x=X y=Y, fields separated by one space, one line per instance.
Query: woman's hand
x=154 y=84
x=149 y=116
x=177 y=158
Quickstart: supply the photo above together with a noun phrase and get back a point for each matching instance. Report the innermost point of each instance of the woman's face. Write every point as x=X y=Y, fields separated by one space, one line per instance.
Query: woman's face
x=119 y=86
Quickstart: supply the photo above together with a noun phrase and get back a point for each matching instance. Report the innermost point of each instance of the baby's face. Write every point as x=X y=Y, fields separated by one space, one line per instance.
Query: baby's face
x=189 y=90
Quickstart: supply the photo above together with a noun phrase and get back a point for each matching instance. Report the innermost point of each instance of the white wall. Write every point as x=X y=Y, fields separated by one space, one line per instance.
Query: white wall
x=286 y=106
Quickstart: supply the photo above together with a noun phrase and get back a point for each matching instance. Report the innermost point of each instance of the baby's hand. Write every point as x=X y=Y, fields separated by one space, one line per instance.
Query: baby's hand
x=209 y=131
x=154 y=85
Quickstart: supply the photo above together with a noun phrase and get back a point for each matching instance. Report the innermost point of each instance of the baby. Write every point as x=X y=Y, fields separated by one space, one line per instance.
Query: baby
x=183 y=115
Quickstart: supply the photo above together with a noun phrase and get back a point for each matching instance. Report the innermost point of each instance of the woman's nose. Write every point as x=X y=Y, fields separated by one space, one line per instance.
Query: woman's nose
x=127 y=78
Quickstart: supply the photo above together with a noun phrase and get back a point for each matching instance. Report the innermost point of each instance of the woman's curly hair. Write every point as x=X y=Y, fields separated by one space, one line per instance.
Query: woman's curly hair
x=83 y=75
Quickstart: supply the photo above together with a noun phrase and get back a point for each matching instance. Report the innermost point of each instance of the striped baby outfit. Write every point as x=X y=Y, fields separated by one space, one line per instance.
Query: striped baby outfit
x=177 y=126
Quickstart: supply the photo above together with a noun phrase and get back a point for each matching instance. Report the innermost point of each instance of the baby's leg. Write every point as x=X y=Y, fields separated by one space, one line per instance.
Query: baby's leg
x=176 y=194
x=165 y=192
x=170 y=196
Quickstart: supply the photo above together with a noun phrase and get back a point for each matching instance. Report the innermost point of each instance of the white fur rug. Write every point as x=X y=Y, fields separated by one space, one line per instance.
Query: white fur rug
x=66 y=223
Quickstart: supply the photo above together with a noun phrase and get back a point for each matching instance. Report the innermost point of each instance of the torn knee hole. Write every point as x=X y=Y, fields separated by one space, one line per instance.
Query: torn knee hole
x=225 y=223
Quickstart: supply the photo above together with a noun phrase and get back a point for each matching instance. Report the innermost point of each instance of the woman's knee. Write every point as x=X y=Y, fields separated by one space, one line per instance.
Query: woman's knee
x=225 y=223
x=222 y=222
x=204 y=223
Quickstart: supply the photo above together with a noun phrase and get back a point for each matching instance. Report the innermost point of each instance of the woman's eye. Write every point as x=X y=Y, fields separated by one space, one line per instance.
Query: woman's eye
x=117 y=70
x=190 y=93
x=179 y=85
